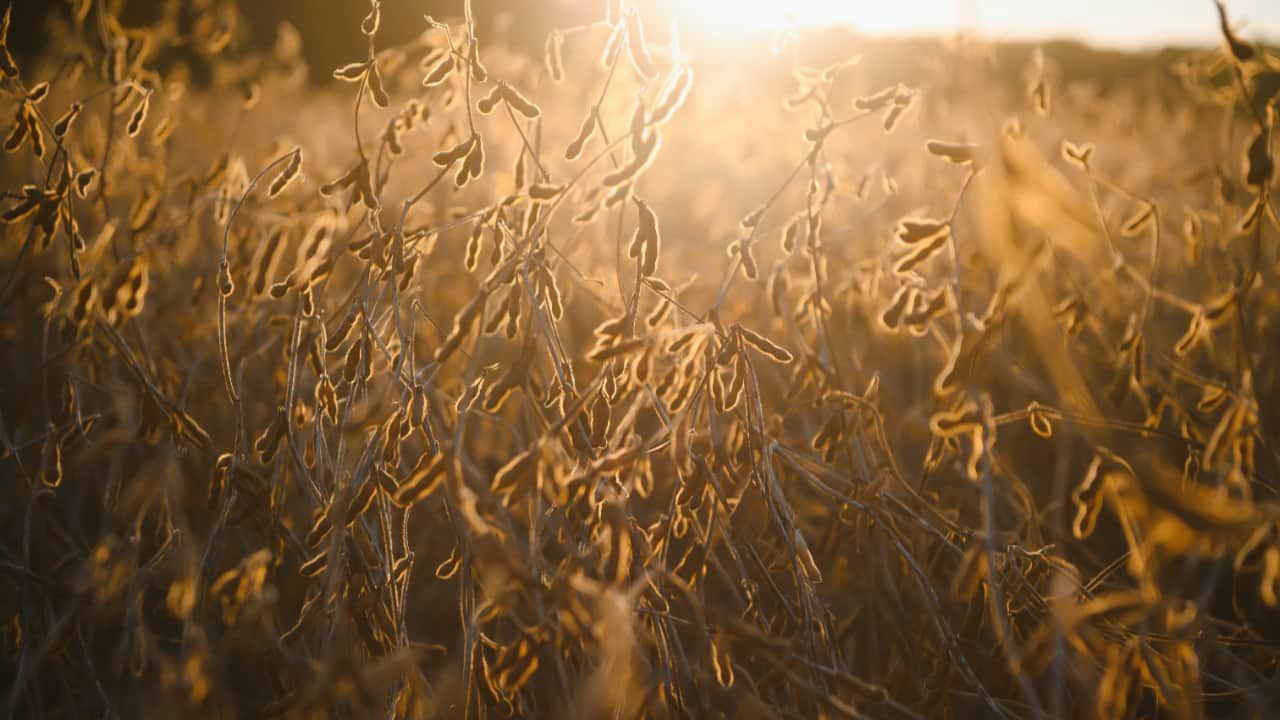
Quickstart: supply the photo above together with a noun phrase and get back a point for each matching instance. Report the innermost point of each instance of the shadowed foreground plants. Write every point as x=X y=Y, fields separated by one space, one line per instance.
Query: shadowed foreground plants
x=832 y=378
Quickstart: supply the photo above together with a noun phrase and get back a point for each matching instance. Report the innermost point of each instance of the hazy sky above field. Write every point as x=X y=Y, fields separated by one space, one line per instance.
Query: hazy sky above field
x=1124 y=23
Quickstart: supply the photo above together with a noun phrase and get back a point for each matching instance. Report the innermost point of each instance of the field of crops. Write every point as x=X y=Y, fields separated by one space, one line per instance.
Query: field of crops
x=628 y=374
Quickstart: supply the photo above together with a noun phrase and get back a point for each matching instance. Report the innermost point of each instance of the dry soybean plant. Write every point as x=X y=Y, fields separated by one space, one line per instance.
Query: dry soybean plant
x=616 y=382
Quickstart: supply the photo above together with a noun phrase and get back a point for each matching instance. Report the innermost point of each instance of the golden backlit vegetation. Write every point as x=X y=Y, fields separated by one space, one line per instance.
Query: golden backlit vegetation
x=807 y=377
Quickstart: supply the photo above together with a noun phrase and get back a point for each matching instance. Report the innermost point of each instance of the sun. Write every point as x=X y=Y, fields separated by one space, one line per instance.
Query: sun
x=870 y=16
x=733 y=16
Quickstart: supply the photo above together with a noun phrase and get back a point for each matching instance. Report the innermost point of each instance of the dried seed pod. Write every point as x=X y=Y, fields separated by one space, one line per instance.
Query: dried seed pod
x=638 y=49
x=606 y=350
x=473 y=165
x=521 y=467
x=470 y=392
x=659 y=314
x=377 y=92
x=891 y=318
x=554 y=299
x=1196 y=331
x=778 y=286
x=34 y=131
x=959 y=154
x=614 y=328
x=471 y=254
x=8 y=67
x=144 y=210
x=925 y=309
x=86 y=298
x=498 y=393
x=361 y=500
x=265 y=264
x=51 y=462
x=448 y=157
x=37 y=93
x=18 y=134
x=817 y=136
x=327 y=398
x=750 y=269
x=753 y=218
x=343 y=330
x=1039 y=92
x=139 y=116
x=366 y=352
x=1240 y=50
x=878 y=101
x=369 y=26
x=682 y=342
x=917 y=230
x=440 y=72
x=316 y=565
x=892 y=116
x=769 y=348
x=63 y=124
x=613 y=45
x=478 y=71
x=646 y=243
x=462 y=325
x=423 y=481
x=287 y=175
x=131 y=296
x=673 y=96
x=84 y=180
x=638 y=126
x=351 y=363
x=810 y=567
x=920 y=253
x=316 y=244
x=353 y=72
x=282 y=288
x=1252 y=216
x=553 y=55
x=1259 y=166
x=520 y=103
x=587 y=216
x=721 y=662
x=545 y=192
x=643 y=158
x=269 y=441
x=23 y=209
x=791 y=233
x=345 y=181
x=737 y=385
x=487 y=103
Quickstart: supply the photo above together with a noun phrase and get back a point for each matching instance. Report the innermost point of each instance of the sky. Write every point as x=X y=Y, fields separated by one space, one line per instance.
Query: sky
x=1115 y=23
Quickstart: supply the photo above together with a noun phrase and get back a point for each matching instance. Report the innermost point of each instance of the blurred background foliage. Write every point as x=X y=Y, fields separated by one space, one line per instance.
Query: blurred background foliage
x=332 y=37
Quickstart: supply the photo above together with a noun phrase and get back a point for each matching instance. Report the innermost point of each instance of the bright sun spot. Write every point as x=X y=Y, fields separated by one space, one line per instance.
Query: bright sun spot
x=871 y=16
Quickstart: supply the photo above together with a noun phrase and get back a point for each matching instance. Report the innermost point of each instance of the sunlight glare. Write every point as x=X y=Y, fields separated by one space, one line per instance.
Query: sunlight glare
x=877 y=17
